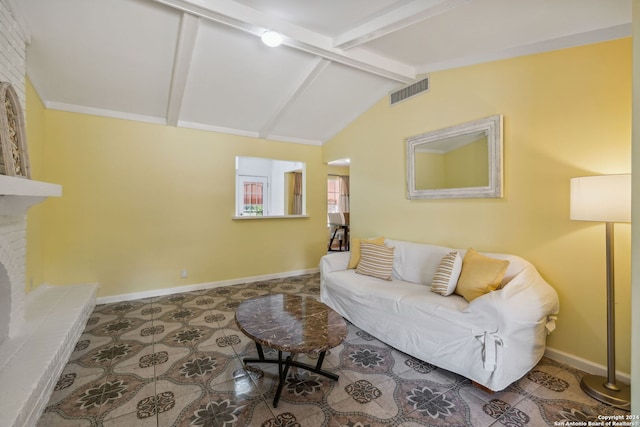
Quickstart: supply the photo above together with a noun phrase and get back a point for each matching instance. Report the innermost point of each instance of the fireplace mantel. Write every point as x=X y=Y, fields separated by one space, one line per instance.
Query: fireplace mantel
x=17 y=194
x=17 y=186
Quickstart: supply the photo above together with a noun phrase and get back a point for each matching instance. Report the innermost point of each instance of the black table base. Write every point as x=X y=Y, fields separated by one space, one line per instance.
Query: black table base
x=284 y=365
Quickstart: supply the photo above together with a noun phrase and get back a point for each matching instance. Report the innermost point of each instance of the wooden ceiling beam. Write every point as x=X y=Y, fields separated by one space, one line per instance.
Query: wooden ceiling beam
x=295 y=94
x=252 y=21
x=181 y=65
x=397 y=19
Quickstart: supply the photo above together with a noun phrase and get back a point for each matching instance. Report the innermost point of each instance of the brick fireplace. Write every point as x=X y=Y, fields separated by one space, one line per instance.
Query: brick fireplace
x=17 y=195
x=37 y=330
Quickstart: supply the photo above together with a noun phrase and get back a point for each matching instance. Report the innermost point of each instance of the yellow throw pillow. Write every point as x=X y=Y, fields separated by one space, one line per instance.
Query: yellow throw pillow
x=355 y=249
x=480 y=275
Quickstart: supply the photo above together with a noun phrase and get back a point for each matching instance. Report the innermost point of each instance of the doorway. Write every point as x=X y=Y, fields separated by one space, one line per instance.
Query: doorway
x=338 y=205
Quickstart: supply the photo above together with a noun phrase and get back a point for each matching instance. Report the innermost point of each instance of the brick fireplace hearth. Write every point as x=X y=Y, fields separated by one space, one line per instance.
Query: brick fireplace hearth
x=37 y=330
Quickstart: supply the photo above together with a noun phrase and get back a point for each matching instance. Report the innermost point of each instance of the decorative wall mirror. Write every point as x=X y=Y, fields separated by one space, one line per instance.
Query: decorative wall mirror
x=461 y=161
x=269 y=188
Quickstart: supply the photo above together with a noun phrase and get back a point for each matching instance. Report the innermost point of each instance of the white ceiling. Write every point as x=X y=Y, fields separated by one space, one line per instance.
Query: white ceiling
x=201 y=64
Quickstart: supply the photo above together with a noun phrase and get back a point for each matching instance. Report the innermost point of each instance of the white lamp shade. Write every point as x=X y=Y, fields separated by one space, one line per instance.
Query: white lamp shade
x=605 y=198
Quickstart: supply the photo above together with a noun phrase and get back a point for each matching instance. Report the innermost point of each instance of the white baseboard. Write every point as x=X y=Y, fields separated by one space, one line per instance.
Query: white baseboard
x=200 y=286
x=584 y=364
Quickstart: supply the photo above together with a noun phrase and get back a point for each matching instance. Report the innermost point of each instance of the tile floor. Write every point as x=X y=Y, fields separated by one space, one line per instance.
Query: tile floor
x=176 y=361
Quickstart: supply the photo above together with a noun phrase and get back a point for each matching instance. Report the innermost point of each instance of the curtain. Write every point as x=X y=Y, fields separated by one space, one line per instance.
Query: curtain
x=343 y=201
x=296 y=197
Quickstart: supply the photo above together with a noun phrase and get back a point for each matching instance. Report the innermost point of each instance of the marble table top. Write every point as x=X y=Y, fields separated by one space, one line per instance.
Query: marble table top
x=291 y=323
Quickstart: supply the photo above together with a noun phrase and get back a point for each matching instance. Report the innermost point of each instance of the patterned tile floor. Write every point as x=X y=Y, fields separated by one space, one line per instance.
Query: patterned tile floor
x=176 y=361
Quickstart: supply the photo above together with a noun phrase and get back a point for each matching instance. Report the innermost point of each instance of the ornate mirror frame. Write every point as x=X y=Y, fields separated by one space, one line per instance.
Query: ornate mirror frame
x=491 y=127
x=14 y=158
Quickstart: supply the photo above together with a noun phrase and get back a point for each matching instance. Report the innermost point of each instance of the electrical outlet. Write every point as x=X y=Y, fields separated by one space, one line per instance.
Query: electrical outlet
x=183 y=274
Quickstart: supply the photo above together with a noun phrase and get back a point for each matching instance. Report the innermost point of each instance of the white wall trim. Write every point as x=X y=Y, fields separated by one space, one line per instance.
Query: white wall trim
x=200 y=286
x=240 y=132
x=584 y=364
x=574 y=40
x=218 y=129
x=281 y=138
x=101 y=112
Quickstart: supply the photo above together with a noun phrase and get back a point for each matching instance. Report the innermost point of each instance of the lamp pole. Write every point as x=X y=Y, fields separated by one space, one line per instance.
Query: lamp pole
x=611 y=319
x=600 y=388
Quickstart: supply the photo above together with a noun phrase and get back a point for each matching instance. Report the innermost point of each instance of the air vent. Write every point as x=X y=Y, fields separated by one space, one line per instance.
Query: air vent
x=410 y=91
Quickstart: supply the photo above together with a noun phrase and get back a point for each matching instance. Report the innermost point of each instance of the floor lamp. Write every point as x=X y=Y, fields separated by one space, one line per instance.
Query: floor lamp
x=605 y=198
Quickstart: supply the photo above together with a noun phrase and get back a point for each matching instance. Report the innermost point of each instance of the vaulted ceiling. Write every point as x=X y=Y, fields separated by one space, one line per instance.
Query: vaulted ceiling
x=201 y=64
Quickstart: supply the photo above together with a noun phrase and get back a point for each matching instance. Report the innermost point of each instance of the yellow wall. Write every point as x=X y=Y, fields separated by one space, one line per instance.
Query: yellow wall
x=338 y=170
x=35 y=117
x=142 y=201
x=566 y=113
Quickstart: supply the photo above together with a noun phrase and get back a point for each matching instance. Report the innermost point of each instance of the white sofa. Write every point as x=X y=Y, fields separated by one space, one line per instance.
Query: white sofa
x=494 y=340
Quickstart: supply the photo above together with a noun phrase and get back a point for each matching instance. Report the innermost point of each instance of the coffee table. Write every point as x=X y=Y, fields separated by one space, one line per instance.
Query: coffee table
x=294 y=324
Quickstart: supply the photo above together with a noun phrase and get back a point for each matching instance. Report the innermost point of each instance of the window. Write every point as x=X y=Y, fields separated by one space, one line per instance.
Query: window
x=253 y=197
x=333 y=194
x=253 y=192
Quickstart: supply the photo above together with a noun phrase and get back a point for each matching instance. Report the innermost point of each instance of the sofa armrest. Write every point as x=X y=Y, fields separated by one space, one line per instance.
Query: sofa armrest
x=525 y=300
x=519 y=315
x=334 y=262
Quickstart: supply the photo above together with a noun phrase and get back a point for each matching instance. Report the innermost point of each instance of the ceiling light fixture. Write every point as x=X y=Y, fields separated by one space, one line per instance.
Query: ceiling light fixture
x=272 y=39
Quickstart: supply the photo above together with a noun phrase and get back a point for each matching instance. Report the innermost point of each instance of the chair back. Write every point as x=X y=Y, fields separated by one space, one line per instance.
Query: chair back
x=336 y=218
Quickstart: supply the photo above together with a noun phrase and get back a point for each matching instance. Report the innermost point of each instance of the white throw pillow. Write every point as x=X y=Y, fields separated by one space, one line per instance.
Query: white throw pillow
x=416 y=262
x=446 y=277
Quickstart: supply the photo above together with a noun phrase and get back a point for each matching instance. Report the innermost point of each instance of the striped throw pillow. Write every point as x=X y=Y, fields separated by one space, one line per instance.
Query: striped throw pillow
x=446 y=277
x=375 y=260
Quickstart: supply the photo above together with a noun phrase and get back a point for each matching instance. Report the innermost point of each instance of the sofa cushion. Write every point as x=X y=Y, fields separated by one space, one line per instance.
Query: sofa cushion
x=480 y=275
x=446 y=277
x=391 y=297
x=355 y=249
x=375 y=260
x=416 y=262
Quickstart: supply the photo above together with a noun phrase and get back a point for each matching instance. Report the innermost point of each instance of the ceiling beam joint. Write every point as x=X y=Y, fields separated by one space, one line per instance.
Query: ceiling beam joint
x=300 y=88
x=252 y=21
x=397 y=19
